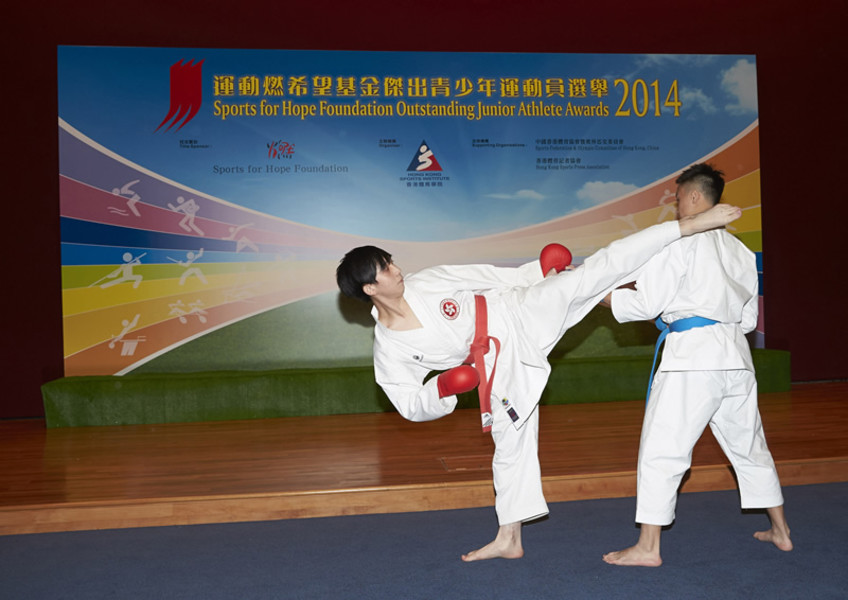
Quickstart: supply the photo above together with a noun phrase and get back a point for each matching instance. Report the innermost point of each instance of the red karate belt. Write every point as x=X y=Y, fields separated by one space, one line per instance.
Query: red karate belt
x=479 y=348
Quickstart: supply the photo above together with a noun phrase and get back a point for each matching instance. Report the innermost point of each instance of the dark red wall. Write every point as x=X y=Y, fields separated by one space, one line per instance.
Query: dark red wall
x=801 y=54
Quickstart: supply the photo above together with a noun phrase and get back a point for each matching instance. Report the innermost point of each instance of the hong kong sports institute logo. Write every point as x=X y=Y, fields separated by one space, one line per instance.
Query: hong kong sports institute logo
x=424 y=171
x=424 y=160
x=186 y=93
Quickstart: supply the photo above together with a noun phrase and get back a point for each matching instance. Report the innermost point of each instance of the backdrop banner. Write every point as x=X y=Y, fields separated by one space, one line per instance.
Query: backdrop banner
x=207 y=195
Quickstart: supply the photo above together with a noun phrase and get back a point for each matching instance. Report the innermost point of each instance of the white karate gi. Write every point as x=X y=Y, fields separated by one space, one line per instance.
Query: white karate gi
x=706 y=375
x=528 y=314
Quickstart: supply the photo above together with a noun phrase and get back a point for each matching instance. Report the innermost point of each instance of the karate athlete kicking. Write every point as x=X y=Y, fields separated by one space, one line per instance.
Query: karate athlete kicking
x=429 y=320
x=705 y=289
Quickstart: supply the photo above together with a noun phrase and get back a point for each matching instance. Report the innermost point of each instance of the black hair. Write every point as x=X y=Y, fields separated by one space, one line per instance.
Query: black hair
x=710 y=181
x=359 y=267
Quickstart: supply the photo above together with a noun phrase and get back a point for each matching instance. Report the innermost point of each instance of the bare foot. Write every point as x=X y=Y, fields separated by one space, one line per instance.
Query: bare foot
x=507 y=544
x=634 y=556
x=779 y=532
x=776 y=537
x=717 y=216
x=646 y=552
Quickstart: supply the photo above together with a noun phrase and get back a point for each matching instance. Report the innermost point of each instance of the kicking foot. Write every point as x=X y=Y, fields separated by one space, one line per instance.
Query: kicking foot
x=633 y=557
x=778 y=538
x=718 y=216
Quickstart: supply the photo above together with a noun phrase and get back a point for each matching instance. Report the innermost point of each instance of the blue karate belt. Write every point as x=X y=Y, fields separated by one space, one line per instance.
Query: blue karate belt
x=675 y=326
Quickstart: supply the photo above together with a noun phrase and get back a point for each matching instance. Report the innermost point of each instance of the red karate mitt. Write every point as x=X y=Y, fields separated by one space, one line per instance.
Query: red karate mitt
x=554 y=256
x=463 y=378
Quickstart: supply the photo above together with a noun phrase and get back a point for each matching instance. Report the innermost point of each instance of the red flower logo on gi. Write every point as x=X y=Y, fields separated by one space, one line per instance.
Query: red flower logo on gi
x=450 y=309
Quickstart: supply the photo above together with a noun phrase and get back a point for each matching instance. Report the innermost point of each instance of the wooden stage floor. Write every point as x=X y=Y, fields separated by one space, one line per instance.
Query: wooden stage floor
x=176 y=474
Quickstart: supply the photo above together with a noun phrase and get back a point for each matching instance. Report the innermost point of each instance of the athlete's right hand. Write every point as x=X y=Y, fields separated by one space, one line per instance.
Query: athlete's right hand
x=463 y=378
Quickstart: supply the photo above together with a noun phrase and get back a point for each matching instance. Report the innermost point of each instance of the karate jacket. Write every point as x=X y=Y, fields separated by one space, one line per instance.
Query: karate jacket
x=526 y=312
x=711 y=275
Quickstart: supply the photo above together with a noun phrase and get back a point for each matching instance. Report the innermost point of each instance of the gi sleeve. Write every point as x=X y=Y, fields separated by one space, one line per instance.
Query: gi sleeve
x=656 y=287
x=402 y=381
x=483 y=277
x=750 y=312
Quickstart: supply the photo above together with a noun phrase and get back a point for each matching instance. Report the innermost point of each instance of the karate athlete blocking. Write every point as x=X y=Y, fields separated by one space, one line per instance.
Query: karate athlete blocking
x=428 y=322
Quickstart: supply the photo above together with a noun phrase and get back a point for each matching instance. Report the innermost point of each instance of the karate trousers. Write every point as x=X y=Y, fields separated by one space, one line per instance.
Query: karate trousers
x=681 y=405
x=515 y=468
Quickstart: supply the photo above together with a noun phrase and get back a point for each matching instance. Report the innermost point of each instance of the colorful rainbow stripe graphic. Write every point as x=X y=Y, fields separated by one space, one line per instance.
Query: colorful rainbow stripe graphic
x=143 y=273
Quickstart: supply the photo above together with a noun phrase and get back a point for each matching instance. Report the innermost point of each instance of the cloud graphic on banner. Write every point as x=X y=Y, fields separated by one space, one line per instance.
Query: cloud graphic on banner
x=662 y=60
x=519 y=195
x=598 y=192
x=698 y=102
x=740 y=81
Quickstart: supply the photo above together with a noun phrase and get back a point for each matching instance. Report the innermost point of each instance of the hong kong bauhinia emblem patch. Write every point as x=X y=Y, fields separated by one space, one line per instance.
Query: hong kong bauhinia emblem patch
x=450 y=309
